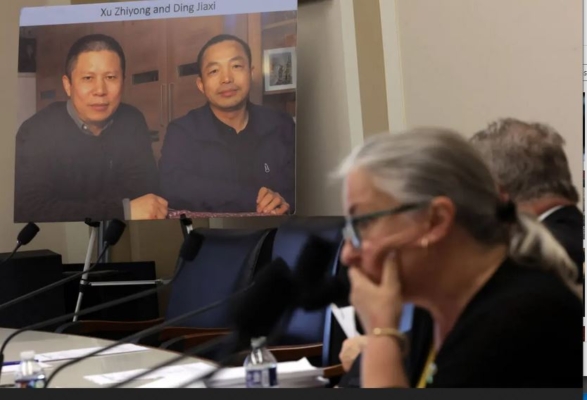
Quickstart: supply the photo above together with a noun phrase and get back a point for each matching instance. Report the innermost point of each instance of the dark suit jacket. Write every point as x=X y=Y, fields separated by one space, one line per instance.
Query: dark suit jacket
x=566 y=225
x=200 y=169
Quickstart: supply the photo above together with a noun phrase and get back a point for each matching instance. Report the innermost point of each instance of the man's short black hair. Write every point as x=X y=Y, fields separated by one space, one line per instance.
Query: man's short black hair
x=219 y=39
x=95 y=42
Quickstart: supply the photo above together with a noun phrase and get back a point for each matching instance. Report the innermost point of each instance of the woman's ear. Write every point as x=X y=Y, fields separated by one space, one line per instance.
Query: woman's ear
x=442 y=217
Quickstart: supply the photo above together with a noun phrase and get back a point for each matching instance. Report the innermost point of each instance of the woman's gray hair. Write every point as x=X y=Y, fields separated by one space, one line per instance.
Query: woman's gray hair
x=421 y=164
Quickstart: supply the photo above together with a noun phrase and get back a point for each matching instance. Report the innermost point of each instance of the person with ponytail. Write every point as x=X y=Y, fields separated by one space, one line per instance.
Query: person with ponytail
x=426 y=224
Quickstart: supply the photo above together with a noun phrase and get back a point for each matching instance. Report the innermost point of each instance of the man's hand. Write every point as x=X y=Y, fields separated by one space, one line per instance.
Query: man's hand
x=351 y=348
x=148 y=206
x=270 y=202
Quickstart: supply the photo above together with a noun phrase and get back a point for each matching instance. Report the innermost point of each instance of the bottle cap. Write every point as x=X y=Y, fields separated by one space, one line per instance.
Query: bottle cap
x=258 y=342
x=27 y=355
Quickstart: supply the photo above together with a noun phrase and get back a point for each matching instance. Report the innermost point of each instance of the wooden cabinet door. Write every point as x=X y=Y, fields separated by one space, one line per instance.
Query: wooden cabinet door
x=53 y=43
x=248 y=28
x=146 y=74
x=185 y=38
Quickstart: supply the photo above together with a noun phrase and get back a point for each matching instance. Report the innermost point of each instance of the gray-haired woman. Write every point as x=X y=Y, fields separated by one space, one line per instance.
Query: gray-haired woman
x=426 y=225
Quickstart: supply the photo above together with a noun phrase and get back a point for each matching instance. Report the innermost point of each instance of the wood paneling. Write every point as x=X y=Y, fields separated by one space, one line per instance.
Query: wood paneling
x=159 y=50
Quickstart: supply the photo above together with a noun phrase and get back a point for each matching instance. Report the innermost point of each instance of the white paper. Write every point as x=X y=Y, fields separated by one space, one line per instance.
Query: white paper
x=174 y=381
x=295 y=374
x=15 y=368
x=112 y=378
x=346 y=319
x=300 y=371
x=75 y=353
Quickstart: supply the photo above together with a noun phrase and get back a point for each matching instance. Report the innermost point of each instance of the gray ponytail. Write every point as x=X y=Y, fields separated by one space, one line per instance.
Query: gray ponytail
x=420 y=164
x=532 y=244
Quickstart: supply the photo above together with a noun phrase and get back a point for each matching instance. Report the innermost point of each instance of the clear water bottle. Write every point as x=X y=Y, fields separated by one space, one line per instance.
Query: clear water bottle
x=30 y=375
x=260 y=366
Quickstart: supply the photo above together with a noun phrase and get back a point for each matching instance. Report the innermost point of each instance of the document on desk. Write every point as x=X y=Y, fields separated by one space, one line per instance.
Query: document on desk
x=75 y=353
x=14 y=368
x=346 y=319
x=174 y=381
x=172 y=372
x=299 y=373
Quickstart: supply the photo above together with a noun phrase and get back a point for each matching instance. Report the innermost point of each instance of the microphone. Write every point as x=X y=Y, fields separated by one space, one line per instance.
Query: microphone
x=189 y=250
x=149 y=331
x=271 y=292
x=267 y=307
x=111 y=237
x=316 y=287
x=333 y=290
x=277 y=291
x=311 y=287
x=26 y=234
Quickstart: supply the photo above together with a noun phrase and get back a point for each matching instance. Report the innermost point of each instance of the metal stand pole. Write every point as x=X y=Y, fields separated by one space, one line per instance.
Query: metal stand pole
x=83 y=283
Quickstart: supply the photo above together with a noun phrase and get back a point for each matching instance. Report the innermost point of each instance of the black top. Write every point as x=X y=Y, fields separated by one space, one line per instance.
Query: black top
x=566 y=225
x=63 y=174
x=205 y=166
x=240 y=146
x=522 y=329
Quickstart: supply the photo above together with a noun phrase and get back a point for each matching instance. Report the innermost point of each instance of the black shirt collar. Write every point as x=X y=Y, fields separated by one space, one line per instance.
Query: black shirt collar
x=223 y=128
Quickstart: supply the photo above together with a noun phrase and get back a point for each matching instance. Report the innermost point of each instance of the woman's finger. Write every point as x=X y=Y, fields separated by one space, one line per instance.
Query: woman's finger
x=390 y=274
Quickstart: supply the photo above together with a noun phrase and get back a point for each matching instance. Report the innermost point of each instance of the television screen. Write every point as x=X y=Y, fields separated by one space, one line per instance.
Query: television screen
x=153 y=109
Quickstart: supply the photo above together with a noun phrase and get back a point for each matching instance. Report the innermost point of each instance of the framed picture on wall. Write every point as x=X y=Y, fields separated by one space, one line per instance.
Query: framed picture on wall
x=27 y=57
x=280 y=69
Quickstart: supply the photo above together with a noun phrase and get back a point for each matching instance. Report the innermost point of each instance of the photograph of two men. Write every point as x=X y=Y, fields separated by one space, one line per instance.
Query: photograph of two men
x=145 y=113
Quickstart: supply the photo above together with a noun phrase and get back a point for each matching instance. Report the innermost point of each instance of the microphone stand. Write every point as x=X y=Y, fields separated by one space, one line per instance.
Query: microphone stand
x=111 y=238
x=224 y=362
x=186 y=225
x=51 y=286
x=85 y=283
x=271 y=339
x=11 y=254
x=94 y=226
x=26 y=234
x=147 y=332
x=90 y=310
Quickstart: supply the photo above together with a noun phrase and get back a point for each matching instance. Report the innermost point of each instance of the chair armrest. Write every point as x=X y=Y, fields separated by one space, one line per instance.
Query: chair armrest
x=333 y=371
x=184 y=343
x=98 y=326
x=285 y=353
x=174 y=332
x=296 y=352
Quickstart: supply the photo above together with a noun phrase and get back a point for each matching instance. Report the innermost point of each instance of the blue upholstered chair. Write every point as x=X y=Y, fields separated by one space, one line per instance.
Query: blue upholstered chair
x=227 y=261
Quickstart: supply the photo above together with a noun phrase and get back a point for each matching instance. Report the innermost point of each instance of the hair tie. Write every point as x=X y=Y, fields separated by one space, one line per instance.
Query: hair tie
x=507 y=212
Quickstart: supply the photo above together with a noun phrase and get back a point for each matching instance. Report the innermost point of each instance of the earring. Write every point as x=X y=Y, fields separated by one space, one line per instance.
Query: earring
x=424 y=243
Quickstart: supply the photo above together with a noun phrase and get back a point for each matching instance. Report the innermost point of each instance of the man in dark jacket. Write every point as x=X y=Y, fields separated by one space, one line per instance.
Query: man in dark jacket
x=230 y=155
x=89 y=157
x=529 y=163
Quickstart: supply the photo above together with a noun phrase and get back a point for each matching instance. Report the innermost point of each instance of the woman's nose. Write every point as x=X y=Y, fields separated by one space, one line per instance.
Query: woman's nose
x=349 y=255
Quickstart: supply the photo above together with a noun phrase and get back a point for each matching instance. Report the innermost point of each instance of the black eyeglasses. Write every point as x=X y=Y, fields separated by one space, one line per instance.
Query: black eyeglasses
x=353 y=223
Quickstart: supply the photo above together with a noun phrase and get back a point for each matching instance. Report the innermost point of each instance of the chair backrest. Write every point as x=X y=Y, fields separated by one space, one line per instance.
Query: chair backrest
x=227 y=262
x=334 y=336
x=291 y=237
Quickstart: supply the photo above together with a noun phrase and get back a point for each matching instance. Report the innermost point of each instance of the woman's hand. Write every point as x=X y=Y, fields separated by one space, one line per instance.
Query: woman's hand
x=377 y=305
x=351 y=348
